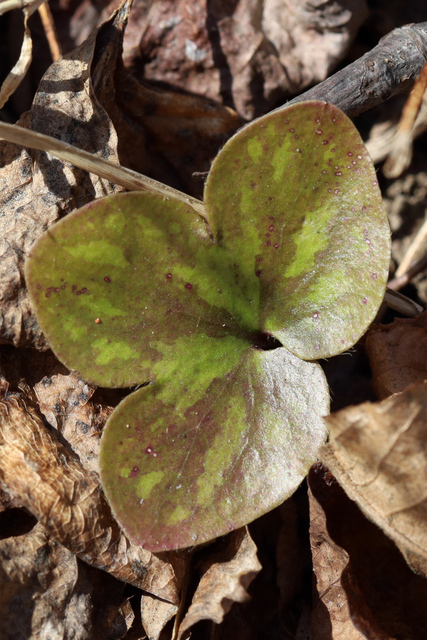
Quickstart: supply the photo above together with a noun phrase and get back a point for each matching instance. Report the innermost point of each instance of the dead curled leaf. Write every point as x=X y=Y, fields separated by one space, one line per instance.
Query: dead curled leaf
x=377 y=453
x=225 y=571
x=45 y=589
x=397 y=354
x=17 y=73
x=226 y=576
x=36 y=190
x=52 y=484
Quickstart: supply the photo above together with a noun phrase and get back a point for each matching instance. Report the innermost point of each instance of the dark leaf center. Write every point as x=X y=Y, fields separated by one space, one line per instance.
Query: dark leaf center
x=265 y=341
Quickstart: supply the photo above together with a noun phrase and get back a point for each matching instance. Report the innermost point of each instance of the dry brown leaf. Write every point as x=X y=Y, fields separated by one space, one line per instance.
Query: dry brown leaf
x=398 y=354
x=65 y=401
x=169 y=135
x=162 y=133
x=226 y=576
x=331 y=617
x=155 y=614
x=377 y=451
x=36 y=190
x=51 y=483
x=46 y=592
x=249 y=54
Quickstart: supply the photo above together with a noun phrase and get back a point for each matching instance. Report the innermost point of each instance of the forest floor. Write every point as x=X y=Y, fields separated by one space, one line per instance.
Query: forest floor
x=346 y=556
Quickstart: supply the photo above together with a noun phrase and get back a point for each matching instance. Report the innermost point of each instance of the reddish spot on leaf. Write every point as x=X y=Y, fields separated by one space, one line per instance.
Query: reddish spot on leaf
x=134 y=472
x=98 y=321
x=107 y=279
x=188 y=286
x=168 y=276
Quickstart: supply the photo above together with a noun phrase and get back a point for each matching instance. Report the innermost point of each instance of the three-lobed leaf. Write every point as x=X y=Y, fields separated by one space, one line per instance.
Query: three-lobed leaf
x=137 y=289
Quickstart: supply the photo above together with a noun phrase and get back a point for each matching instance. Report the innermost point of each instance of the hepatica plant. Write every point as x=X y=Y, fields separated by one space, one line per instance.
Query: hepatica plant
x=222 y=320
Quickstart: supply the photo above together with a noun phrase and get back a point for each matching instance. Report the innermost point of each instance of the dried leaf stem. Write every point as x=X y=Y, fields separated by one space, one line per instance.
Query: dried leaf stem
x=401 y=281
x=19 y=70
x=413 y=251
x=89 y=162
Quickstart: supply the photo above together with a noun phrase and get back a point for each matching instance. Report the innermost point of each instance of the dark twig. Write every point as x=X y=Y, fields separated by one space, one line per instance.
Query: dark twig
x=390 y=68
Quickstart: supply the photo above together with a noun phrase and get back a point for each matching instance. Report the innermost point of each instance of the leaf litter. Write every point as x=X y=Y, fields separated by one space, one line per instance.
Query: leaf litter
x=397 y=619
x=37 y=190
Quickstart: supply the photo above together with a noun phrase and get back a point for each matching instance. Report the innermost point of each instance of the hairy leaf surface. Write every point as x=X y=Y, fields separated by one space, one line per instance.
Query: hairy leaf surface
x=305 y=216
x=179 y=470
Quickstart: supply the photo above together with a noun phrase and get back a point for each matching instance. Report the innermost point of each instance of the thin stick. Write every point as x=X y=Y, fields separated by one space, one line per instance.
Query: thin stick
x=50 y=31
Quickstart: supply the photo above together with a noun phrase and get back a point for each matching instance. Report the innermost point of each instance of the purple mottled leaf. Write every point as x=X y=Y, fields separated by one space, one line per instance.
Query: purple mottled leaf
x=180 y=470
x=306 y=218
x=137 y=289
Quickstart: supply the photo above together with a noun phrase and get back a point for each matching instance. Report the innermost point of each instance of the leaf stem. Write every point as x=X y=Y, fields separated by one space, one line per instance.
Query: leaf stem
x=127 y=178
